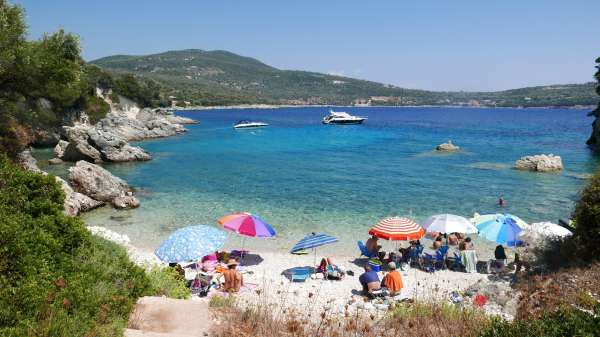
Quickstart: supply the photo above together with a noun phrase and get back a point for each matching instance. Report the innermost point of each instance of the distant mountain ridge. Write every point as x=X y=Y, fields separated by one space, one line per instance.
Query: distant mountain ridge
x=222 y=78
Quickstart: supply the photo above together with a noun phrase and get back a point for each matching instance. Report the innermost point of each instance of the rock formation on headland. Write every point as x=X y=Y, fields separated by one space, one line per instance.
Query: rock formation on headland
x=447 y=147
x=107 y=140
x=99 y=184
x=540 y=163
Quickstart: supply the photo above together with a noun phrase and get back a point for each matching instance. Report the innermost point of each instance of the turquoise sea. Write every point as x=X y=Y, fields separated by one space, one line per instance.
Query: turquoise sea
x=303 y=176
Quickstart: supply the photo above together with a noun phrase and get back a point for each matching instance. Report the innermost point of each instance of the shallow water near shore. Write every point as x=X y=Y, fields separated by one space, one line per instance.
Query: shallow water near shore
x=302 y=176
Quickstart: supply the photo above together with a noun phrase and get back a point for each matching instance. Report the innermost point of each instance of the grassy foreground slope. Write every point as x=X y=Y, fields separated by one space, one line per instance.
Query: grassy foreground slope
x=55 y=278
x=221 y=77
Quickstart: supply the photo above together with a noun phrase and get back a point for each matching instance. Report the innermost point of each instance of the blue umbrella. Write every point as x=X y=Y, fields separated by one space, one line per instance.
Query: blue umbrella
x=502 y=229
x=313 y=241
x=191 y=243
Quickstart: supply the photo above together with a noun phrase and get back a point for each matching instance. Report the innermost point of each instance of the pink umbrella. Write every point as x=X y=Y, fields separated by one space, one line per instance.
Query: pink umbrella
x=247 y=224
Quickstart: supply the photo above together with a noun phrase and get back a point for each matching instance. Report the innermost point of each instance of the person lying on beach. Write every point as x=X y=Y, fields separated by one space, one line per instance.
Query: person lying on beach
x=233 y=278
x=330 y=270
x=369 y=281
x=393 y=280
x=372 y=245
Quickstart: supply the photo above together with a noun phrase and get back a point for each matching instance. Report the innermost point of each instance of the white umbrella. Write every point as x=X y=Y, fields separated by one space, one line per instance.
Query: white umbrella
x=448 y=223
x=543 y=230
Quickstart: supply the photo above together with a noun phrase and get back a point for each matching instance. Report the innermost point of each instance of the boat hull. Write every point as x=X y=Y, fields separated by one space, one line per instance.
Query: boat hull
x=358 y=121
x=250 y=126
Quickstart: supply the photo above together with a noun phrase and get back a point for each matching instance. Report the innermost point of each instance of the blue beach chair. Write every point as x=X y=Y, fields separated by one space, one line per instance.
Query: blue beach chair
x=414 y=256
x=364 y=251
x=300 y=274
x=457 y=263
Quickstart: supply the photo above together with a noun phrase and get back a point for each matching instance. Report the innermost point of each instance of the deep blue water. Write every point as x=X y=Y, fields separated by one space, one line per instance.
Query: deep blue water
x=303 y=176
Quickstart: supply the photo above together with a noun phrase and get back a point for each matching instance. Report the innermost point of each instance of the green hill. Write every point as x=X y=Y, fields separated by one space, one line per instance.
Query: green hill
x=220 y=77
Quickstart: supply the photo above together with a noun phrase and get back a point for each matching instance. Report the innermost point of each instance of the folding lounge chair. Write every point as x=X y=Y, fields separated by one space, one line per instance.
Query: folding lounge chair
x=364 y=251
x=300 y=274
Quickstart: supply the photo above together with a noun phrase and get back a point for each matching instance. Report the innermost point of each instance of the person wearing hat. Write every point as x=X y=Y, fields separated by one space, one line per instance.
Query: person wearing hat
x=393 y=280
x=233 y=278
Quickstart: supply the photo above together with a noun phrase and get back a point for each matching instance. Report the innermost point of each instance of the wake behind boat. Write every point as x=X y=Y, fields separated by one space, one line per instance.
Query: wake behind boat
x=341 y=117
x=249 y=124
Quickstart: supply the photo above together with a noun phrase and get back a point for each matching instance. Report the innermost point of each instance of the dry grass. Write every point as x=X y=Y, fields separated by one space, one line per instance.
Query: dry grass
x=569 y=287
x=407 y=319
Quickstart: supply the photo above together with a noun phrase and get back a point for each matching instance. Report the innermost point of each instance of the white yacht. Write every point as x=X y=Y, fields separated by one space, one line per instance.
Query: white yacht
x=249 y=124
x=340 y=117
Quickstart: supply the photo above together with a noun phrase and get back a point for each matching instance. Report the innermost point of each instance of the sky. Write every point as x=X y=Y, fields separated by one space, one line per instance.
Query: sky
x=424 y=44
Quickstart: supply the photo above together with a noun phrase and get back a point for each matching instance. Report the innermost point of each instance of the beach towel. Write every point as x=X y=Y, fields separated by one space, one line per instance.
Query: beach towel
x=469 y=259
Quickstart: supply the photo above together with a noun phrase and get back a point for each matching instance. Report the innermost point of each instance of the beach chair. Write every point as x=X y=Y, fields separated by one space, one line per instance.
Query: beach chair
x=414 y=257
x=457 y=263
x=364 y=251
x=437 y=262
x=300 y=274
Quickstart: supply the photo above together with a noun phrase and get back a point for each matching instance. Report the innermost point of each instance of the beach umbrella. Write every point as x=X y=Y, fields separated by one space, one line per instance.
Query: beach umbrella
x=448 y=223
x=501 y=229
x=397 y=229
x=481 y=218
x=247 y=224
x=544 y=230
x=191 y=243
x=313 y=241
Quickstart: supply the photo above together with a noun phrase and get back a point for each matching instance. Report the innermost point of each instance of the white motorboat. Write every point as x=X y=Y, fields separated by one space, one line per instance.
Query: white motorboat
x=249 y=124
x=340 y=117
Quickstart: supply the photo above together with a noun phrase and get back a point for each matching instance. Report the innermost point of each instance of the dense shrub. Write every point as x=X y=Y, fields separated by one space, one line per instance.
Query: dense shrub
x=587 y=219
x=55 y=278
x=167 y=282
x=564 y=322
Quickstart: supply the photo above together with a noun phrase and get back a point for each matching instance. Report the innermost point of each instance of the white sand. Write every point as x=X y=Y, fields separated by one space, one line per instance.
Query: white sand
x=276 y=289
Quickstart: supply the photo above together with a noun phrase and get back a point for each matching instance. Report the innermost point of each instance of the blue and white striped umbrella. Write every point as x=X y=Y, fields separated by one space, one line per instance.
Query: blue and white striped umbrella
x=312 y=241
x=502 y=229
x=191 y=243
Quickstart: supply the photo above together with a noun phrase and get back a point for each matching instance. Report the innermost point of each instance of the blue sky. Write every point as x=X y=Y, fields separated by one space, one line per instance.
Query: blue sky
x=426 y=44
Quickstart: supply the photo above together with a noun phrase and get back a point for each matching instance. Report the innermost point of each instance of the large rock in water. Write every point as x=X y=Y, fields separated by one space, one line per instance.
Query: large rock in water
x=447 y=147
x=75 y=202
x=540 y=163
x=99 y=184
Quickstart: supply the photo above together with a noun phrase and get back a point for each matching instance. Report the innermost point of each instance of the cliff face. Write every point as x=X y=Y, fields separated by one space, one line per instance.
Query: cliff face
x=594 y=141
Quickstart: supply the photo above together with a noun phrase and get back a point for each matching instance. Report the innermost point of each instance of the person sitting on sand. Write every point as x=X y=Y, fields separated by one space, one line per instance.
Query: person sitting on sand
x=369 y=281
x=233 y=278
x=438 y=242
x=372 y=245
x=452 y=239
x=499 y=253
x=469 y=244
x=393 y=280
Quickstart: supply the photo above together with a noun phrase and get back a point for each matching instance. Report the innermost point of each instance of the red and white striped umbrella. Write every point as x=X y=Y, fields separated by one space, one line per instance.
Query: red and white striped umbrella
x=396 y=228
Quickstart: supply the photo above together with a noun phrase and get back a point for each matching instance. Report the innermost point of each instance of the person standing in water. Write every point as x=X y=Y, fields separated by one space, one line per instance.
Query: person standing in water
x=501 y=201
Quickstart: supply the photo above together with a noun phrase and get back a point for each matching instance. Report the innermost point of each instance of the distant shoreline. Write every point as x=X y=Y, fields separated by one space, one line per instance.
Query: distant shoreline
x=277 y=106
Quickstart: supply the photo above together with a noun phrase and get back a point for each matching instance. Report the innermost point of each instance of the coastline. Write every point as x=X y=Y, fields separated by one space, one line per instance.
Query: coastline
x=279 y=106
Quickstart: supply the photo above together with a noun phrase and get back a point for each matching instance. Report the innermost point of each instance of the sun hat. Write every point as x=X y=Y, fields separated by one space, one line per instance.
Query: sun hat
x=232 y=262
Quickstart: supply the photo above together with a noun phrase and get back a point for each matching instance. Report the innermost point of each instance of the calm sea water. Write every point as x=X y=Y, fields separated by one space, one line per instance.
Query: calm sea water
x=303 y=176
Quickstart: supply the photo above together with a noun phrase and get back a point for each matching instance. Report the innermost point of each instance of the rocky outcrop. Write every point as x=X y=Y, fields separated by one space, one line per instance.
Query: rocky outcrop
x=75 y=202
x=540 y=163
x=99 y=184
x=107 y=141
x=447 y=147
x=26 y=161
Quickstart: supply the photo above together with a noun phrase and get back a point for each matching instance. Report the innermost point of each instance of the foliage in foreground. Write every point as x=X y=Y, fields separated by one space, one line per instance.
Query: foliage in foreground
x=55 y=278
x=167 y=282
